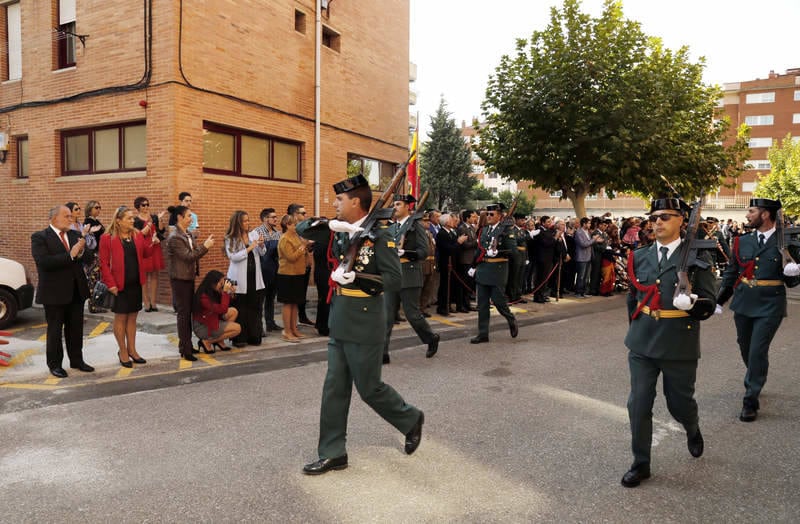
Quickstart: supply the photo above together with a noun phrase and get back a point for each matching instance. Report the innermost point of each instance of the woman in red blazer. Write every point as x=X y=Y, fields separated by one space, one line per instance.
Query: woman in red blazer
x=212 y=317
x=122 y=253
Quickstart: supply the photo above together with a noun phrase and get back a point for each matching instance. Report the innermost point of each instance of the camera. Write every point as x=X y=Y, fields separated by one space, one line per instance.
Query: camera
x=231 y=282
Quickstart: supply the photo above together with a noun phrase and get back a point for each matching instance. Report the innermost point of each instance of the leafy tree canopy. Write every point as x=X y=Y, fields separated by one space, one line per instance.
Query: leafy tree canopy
x=595 y=103
x=783 y=181
x=525 y=205
x=446 y=163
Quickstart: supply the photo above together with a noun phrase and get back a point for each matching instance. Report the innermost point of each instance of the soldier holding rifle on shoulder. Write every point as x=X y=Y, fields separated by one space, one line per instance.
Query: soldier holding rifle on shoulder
x=672 y=290
x=758 y=272
x=366 y=265
x=495 y=246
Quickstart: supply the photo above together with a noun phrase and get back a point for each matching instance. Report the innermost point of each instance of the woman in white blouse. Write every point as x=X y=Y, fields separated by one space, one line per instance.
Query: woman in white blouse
x=244 y=249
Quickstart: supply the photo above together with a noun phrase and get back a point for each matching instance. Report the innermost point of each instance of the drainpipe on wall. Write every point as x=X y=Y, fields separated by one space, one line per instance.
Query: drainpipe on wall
x=317 y=82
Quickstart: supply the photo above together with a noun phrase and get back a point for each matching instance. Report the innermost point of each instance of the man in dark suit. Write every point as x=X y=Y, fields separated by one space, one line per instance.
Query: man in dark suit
x=545 y=246
x=466 y=257
x=58 y=252
x=447 y=244
x=664 y=333
x=757 y=279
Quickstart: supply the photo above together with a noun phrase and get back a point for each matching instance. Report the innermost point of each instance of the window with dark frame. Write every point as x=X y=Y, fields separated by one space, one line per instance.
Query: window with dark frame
x=299 y=21
x=65 y=34
x=104 y=149
x=378 y=173
x=22 y=157
x=236 y=152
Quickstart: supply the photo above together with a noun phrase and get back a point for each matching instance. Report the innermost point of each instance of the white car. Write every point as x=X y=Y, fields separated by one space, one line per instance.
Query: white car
x=16 y=291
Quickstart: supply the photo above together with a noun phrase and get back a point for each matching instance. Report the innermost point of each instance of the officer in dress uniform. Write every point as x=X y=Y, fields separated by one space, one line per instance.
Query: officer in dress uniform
x=664 y=334
x=411 y=240
x=356 y=322
x=491 y=271
x=757 y=280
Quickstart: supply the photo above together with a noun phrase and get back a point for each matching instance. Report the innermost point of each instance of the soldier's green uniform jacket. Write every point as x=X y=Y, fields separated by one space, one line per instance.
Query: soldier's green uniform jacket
x=357 y=313
x=750 y=299
x=493 y=271
x=669 y=338
x=415 y=244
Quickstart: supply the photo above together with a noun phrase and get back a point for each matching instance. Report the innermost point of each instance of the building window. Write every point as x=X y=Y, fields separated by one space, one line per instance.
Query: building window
x=299 y=21
x=235 y=152
x=760 y=142
x=105 y=149
x=797 y=95
x=556 y=194
x=331 y=38
x=748 y=187
x=760 y=98
x=759 y=164
x=796 y=118
x=22 y=157
x=379 y=173
x=13 y=65
x=65 y=36
x=759 y=120
x=795 y=139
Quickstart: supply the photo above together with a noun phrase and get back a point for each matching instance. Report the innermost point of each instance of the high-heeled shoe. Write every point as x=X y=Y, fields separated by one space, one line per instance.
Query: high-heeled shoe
x=127 y=364
x=201 y=345
x=221 y=347
x=138 y=360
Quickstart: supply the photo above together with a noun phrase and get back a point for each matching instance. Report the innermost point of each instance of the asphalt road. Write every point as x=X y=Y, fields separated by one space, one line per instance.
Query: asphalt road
x=533 y=430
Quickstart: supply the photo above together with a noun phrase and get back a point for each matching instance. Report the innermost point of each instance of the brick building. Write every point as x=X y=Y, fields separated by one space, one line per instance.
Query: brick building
x=112 y=99
x=771 y=107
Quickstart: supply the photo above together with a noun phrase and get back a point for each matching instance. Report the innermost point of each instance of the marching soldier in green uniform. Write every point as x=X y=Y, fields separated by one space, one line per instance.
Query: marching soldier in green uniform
x=664 y=333
x=495 y=245
x=412 y=245
x=356 y=322
x=757 y=279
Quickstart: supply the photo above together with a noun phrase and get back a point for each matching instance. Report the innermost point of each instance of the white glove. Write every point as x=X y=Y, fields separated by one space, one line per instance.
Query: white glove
x=400 y=252
x=718 y=310
x=527 y=262
x=340 y=226
x=471 y=272
x=684 y=302
x=535 y=232
x=491 y=253
x=791 y=269
x=339 y=275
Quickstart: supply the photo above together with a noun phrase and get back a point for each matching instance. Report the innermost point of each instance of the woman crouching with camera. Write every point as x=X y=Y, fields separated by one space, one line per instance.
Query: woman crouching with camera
x=212 y=319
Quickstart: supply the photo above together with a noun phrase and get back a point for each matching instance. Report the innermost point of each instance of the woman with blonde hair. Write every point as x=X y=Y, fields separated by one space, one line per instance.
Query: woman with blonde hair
x=291 y=275
x=244 y=249
x=122 y=253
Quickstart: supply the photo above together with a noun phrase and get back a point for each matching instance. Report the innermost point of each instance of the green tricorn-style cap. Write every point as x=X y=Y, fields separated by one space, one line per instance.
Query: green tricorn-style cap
x=766 y=203
x=675 y=204
x=350 y=184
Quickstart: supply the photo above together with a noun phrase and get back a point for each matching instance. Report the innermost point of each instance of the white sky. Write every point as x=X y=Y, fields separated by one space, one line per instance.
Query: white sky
x=457 y=45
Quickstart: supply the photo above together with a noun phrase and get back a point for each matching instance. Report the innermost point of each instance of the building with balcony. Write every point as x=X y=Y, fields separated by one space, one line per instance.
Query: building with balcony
x=241 y=104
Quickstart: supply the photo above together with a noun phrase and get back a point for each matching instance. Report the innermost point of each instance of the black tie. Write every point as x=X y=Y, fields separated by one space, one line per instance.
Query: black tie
x=760 y=240
x=663 y=260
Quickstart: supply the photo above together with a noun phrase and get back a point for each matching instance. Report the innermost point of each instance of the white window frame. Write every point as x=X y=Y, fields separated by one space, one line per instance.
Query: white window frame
x=796 y=118
x=759 y=164
x=797 y=95
x=14 y=40
x=748 y=187
x=757 y=142
x=767 y=97
x=759 y=120
x=556 y=194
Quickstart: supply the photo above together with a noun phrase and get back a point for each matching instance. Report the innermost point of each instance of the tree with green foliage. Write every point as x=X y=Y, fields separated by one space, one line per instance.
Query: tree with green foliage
x=525 y=205
x=783 y=181
x=594 y=103
x=481 y=193
x=446 y=163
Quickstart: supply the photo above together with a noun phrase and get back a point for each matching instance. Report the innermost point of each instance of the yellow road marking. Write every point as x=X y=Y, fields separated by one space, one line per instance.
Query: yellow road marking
x=517 y=310
x=39 y=326
x=124 y=372
x=52 y=381
x=184 y=364
x=99 y=329
x=27 y=386
x=173 y=339
x=42 y=338
x=19 y=358
x=211 y=361
x=442 y=320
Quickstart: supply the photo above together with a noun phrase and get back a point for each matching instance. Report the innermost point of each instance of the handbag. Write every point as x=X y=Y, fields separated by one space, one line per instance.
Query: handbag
x=101 y=297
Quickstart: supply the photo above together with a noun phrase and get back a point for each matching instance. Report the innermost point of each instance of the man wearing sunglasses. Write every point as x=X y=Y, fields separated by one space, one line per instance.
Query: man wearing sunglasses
x=664 y=333
x=757 y=279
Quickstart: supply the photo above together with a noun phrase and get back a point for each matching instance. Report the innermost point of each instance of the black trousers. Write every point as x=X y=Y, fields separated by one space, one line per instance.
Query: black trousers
x=67 y=320
x=270 y=291
x=182 y=296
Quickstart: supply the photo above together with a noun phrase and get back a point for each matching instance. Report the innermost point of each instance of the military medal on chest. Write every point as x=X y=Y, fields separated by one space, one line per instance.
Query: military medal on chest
x=365 y=253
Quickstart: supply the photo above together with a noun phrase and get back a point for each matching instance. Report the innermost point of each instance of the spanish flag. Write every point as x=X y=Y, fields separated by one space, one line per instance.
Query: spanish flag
x=412 y=170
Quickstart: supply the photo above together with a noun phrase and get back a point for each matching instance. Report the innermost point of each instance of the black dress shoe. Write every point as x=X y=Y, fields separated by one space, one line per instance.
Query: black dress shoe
x=325 y=465
x=127 y=364
x=386 y=359
x=306 y=321
x=414 y=437
x=426 y=315
x=58 y=372
x=189 y=356
x=433 y=347
x=478 y=340
x=512 y=326
x=695 y=444
x=636 y=475
x=138 y=360
x=748 y=414
x=83 y=366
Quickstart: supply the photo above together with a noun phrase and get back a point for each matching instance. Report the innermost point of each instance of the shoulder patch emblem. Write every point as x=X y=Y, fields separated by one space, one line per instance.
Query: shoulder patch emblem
x=390 y=243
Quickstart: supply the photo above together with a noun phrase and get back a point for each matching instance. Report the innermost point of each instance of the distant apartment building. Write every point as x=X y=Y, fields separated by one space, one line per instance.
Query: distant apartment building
x=232 y=101
x=771 y=108
x=488 y=179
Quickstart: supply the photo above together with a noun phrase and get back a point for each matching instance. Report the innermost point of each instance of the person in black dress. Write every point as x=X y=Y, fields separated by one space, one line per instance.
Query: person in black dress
x=92 y=266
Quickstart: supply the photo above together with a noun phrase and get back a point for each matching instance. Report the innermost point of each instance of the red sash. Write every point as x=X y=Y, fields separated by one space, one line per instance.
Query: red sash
x=332 y=265
x=652 y=295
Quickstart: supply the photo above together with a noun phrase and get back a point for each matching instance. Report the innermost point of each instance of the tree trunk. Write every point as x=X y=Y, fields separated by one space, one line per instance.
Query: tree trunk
x=579 y=205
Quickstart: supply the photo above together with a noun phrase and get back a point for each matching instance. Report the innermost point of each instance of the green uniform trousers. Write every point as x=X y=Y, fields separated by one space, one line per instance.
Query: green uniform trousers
x=679 y=378
x=754 y=335
x=348 y=363
x=496 y=294
x=409 y=297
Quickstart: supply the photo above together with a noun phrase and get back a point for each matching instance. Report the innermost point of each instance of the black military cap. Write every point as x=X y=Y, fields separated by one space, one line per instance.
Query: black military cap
x=675 y=204
x=766 y=203
x=408 y=199
x=712 y=220
x=499 y=206
x=350 y=184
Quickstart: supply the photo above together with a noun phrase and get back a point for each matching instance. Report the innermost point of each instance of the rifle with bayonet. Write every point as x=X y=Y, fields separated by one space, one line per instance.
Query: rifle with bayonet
x=684 y=286
x=782 y=232
x=419 y=210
